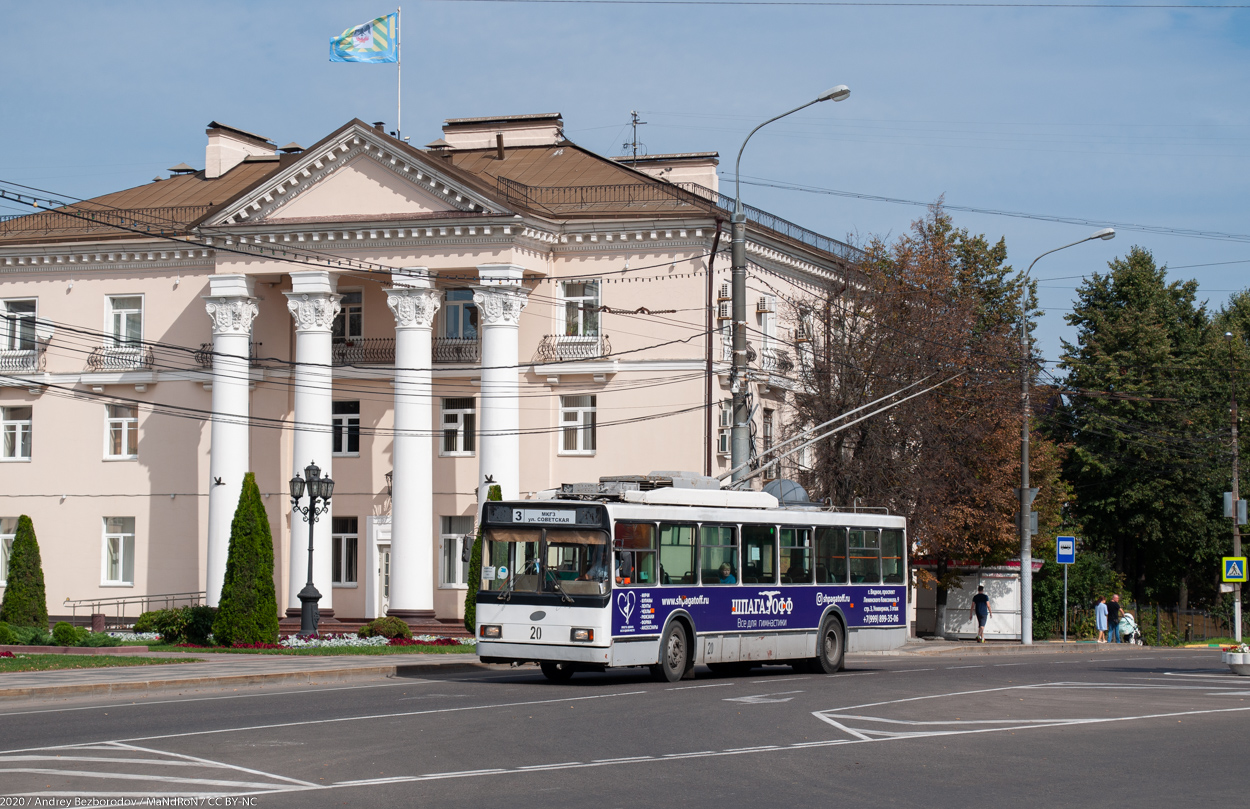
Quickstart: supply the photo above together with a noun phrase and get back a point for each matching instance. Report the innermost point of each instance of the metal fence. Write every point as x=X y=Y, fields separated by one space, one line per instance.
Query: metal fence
x=364 y=351
x=120 y=358
x=120 y=613
x=204 y=357
x=560 y=348
x=457 y=349
x=1167 y=621
x=89 y=220
x=24 y=361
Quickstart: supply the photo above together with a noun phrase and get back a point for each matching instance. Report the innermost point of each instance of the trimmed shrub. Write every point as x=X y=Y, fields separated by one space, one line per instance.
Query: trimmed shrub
x=388 y=627
x=25 y=603
x=475 y=570
x=31 y=636
x=147 y=622
x=183 y=625
x=96 y=640
x=64 y=635
x=7 y=638
x=199 y=624
x=248 y=610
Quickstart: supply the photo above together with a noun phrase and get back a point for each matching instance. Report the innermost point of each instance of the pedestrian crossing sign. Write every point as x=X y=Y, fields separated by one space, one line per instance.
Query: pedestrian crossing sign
x=1235 y=568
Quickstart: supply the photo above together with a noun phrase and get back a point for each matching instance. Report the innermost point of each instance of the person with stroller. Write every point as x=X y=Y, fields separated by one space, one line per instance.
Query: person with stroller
x=1129 y=631
x=1113 y=619
x=1100 y=619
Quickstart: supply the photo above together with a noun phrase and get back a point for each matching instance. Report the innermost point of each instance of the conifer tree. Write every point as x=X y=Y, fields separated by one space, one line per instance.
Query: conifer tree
x=25 y=603
x=475 y=571
x=248 y=609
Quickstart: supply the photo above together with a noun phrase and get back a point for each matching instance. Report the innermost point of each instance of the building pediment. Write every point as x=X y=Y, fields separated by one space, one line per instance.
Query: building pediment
x=356 y=172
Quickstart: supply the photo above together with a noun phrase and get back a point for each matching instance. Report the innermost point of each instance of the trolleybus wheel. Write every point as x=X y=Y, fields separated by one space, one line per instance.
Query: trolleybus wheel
x=556 y=672
x=830 y=646
x=673 y=653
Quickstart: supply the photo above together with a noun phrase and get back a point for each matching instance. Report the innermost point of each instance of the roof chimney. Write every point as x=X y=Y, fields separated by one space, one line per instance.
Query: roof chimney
x=499 y=146
x=228 y=147
x=540 y=129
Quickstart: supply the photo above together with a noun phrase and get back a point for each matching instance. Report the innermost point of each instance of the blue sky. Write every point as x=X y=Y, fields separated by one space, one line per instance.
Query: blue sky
x=1110 y=115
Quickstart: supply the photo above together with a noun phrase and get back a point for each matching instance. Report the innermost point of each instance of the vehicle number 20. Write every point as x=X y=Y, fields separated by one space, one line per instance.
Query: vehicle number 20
x=536 y=633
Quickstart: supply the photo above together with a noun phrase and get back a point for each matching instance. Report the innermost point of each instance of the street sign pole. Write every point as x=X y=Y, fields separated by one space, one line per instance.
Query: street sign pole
x=1065 y=554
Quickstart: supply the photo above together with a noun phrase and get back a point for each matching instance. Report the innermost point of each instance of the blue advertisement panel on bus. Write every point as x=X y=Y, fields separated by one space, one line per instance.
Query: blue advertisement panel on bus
x=640 y=611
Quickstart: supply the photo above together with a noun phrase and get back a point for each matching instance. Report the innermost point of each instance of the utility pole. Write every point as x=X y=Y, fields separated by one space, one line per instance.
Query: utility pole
x=1232 y=375
x=632 y=144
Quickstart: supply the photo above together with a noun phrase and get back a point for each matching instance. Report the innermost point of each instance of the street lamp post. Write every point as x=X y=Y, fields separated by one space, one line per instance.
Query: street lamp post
x=1027 y=494
x=740 y=435
x=319 y=488
x=1232 y=374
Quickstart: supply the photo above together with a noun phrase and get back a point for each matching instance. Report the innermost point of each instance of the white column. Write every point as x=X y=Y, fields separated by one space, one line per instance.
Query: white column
x=500 y=299
x=313 y=303
x=231 y=306
x=414 y=303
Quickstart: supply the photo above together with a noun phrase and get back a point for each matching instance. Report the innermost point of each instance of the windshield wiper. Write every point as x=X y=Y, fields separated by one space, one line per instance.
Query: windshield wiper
x=565 y=597
x=506 y=593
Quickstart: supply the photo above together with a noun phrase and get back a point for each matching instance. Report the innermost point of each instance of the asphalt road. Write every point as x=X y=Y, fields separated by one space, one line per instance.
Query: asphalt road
x=1150 y=727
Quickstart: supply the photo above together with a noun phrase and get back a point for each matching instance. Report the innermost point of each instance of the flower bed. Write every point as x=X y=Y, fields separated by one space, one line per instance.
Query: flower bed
x=334 y=641
x=150 y=636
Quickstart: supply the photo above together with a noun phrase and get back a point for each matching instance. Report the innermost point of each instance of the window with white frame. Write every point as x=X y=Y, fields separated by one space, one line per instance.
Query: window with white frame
x=459 y=426
x=122 y=432
x=17 y=328
x=349 y=322
x=345 y=420
x=459 y=315
x=767 y=435
x=724 y=435
x=15 y=427
x=581 y=308
x=455 y=567
x=119 y=551
x=126 y=323
x=577 y=423
x=8 y=532
x=345 y=541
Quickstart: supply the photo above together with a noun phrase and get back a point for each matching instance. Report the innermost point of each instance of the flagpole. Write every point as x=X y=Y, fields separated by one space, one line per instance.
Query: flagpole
x=399 y=73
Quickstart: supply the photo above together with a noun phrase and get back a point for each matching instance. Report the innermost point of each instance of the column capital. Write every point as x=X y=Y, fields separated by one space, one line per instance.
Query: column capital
x=413 y=307
x=500 y=306
x=231 y=315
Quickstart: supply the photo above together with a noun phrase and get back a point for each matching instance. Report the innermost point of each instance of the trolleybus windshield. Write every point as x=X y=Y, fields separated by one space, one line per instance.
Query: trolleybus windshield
x=560 y=561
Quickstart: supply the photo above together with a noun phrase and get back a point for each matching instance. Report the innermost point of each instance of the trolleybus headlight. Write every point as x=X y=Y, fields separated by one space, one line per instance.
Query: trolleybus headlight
x=582 y=635
x=492 y=631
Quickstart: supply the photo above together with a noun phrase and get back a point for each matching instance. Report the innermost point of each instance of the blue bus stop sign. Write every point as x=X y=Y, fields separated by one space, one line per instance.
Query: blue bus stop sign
x=1065 y=550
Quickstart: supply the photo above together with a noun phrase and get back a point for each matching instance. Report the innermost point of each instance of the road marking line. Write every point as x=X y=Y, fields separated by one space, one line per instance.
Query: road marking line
x=207 y=762
x=747 y=749
x=788 y=679
x=688 y=755
x=905 y=671
x=399 y=715
x=138 y=777
x=964 y=667
x=549 y=766
x=709 y=685
x=621 y=760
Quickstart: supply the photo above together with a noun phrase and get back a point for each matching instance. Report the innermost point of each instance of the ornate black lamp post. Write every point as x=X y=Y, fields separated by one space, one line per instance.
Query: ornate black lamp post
x=319 y=488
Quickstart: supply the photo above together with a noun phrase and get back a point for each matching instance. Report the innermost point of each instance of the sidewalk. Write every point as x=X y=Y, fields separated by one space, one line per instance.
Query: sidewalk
x=218 y=670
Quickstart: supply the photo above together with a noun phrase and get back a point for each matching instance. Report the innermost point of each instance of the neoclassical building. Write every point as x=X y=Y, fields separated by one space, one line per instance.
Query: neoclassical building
x=501 y=305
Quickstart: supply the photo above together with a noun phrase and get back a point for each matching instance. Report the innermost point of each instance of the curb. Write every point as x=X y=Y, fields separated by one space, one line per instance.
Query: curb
x=304 y=677
x=1011 y=649
x=131 y=651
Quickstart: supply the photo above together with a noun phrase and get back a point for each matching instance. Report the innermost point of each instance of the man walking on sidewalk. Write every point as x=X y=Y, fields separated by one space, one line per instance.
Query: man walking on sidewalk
x=981 y=608
x=1113 y=619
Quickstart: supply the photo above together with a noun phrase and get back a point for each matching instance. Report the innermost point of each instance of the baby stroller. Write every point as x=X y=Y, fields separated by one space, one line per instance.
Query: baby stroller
x=1129 y=631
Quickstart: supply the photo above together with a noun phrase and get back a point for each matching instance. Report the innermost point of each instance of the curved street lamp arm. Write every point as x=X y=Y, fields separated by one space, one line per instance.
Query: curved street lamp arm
x=738 y=162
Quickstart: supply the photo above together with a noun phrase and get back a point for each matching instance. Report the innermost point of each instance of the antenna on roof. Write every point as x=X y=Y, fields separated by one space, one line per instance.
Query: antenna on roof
x=634 y=144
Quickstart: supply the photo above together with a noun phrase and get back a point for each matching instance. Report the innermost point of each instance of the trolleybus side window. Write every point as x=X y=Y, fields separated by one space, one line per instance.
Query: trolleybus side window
x=718 y=554
x=892 y=556
x=759 y=554
x=830 y=555
x=676 y=554
x=865 y=554
x=512 y=559
x=635 y=554
x=796 y=555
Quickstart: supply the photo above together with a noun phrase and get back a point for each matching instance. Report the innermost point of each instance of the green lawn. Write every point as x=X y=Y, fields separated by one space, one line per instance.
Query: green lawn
x=347 y=650
x=36 y=662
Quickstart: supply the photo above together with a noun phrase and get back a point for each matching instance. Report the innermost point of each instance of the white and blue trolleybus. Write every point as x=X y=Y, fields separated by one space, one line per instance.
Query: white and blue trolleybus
x=669 y=571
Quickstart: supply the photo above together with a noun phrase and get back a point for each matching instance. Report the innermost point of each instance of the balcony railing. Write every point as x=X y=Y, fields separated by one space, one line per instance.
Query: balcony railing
x=364 y=351
x=24 y=360
x=120 y=358
x=774 y=359
x=457 y=350
x=561 y=348
x=204 y=357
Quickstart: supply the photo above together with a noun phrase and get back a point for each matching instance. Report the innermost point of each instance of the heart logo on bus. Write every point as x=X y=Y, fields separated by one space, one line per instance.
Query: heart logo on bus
x=625 y=603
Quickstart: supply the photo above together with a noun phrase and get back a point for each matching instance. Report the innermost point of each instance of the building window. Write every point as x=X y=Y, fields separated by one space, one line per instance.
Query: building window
x=346 y=420
x=771 y=472
x=577 y=422
x=122 y=432
x=119 y=550
x=455 y=566
x=126 y=326
x=460 y=315
x=8 y=531
x=17 y=330
x=724 y=436
x=349 y=322
x=15 y=425
x=459 y=426
x=345 y=540
x=581 y=308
